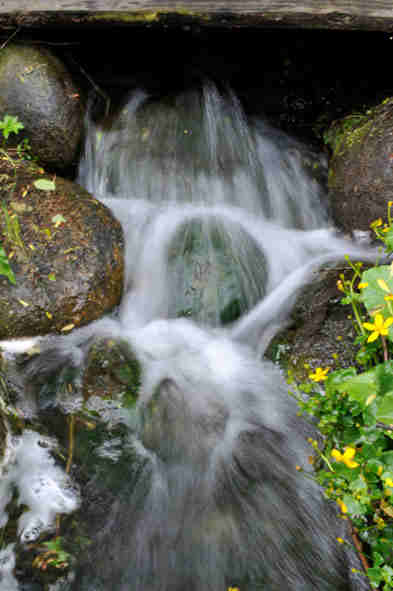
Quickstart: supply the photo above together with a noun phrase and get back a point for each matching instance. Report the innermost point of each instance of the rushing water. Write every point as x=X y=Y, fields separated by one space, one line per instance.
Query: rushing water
x=223 y=224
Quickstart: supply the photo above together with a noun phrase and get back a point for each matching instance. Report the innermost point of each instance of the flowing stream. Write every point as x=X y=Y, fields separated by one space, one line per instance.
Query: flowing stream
x=224 y=222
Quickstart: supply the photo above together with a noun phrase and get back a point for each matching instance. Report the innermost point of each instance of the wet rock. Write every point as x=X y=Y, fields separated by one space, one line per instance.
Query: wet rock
x=210 y=283
x=321 y=333
x=36 y=87
x=64 y=248
x=361 y=168
x=89 y=409
x=3 y=434
x=112 y=372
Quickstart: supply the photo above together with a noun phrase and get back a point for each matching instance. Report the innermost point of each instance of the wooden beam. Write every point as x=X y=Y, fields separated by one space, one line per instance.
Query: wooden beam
x=375 y=8
x=333 y=14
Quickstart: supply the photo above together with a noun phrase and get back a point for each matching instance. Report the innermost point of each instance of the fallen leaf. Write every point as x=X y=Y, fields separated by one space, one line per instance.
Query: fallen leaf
x=68 y=327
x=44 y=185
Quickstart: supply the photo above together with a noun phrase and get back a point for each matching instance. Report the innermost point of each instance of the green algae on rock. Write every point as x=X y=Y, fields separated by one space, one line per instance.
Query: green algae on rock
x=361 y=171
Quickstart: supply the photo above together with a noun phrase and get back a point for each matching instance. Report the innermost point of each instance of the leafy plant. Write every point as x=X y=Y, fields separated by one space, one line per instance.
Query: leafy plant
x=5 y=268
x=353 y=409
x=10 y=124
x=52 y=554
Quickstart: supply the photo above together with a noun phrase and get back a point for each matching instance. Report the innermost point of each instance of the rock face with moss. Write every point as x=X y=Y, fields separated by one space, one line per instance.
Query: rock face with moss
x=36 y=87
x=64 y=248
x=361 y=168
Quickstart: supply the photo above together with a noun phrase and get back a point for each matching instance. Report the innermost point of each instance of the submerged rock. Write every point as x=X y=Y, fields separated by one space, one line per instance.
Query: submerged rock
x=36 y=87
x=64 y=248
x=361 y=168
x=214 y=273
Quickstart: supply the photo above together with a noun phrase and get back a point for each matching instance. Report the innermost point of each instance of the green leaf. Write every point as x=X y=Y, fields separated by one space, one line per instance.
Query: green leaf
x=10 y=124
x=336 y=379
x=358 y=387
x=375 y=575
x=373 y=296
x=353 y=506
x=44 y=185
x=389 y=238
x=384 y=372
x=5 y=268
x=387 y=458
x=385 y=409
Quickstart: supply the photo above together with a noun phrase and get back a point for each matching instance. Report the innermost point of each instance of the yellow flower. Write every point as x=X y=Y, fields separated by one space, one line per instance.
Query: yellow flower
x=342 y=505
x=379 y=328
x=233 y=588
x=388 y=481
x=362 y=285
x=320 y=374
x=346 y=457
x=340 y=285
x=340 y=540
x=388 y=297
x=376 y=223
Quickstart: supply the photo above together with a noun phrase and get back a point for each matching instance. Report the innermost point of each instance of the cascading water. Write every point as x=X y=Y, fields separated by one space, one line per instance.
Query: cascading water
x=222 y=224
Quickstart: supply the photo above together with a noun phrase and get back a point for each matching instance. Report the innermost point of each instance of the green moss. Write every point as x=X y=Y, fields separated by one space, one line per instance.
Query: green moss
x=126 y=17
x=350 y=131
x=346 y=132
x=146 y=17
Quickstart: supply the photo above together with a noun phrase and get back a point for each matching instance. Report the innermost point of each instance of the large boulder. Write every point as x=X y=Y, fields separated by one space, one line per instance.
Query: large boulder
x=64 y=249
x=361 y=168
x=36 y=87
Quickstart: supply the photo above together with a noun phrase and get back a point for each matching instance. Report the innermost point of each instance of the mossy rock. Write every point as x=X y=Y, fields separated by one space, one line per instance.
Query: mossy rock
x=361 y=168
x=37 y=88
x=65 y=249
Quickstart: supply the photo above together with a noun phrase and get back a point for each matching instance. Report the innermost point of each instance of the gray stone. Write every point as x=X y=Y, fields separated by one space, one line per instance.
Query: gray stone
x=36 y=87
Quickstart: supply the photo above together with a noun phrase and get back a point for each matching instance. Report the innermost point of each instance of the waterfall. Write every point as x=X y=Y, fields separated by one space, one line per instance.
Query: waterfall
x=224 y=223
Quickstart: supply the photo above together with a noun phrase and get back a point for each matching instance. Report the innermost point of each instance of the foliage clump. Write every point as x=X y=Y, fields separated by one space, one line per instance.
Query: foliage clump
x=353 y=410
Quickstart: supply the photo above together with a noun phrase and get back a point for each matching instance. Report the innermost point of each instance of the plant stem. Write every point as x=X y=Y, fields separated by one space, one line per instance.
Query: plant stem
x=385 y=349
x=358 y=317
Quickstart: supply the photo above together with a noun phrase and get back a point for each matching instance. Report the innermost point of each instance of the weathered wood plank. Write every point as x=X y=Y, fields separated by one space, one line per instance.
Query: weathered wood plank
x=370 y=8
x=334 y=14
